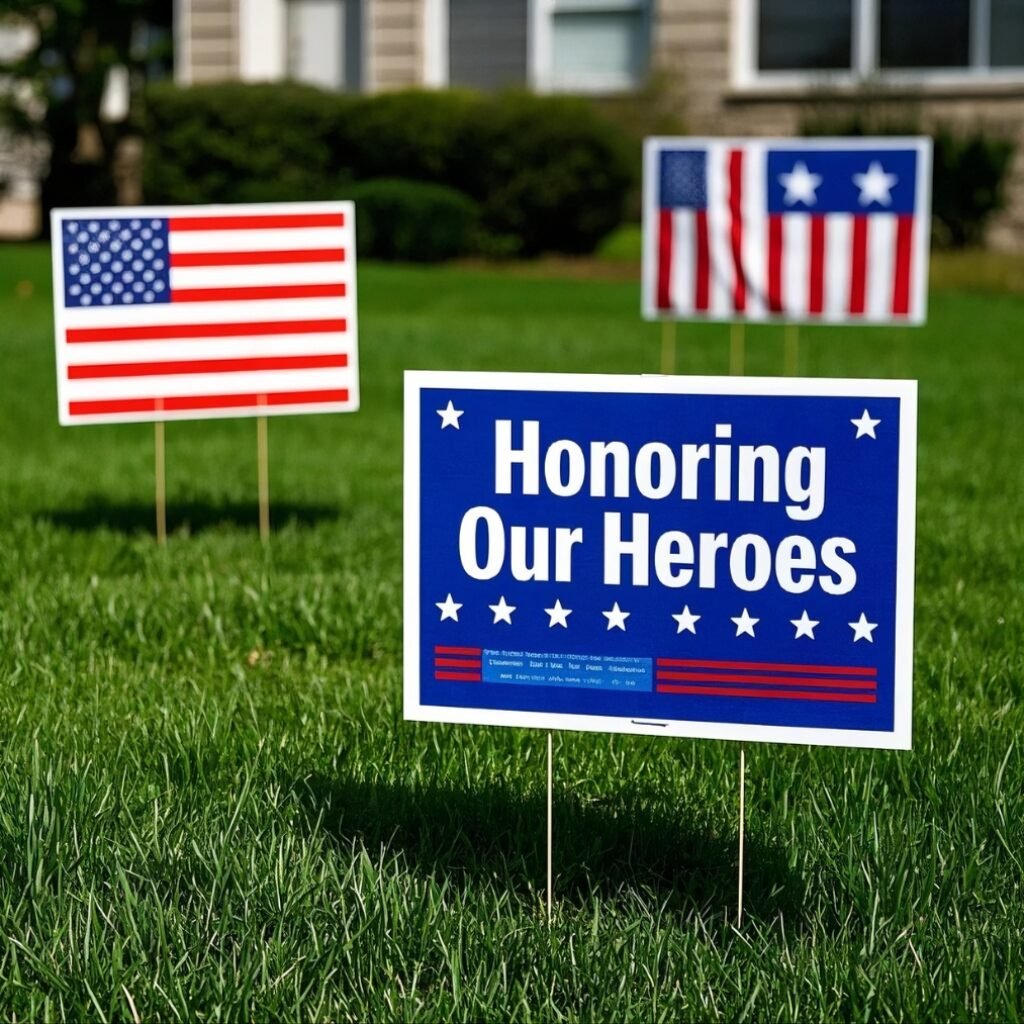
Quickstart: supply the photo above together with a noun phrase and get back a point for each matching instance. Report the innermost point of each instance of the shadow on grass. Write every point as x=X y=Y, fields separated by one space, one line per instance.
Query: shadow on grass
x=602 y=847
x=189 y=517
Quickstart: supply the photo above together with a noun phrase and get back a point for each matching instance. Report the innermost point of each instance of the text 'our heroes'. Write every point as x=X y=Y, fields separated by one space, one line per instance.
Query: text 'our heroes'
x=690 y=472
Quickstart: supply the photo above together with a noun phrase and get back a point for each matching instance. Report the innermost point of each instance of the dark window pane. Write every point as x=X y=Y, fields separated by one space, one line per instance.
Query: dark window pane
x=487 y=42
x=1007 y=33
x=924 y=33
x=796 y=35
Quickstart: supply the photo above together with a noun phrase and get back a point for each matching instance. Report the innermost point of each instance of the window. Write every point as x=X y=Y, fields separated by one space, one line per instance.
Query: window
x=551 y=45
x=325 y=43
x=795 y=41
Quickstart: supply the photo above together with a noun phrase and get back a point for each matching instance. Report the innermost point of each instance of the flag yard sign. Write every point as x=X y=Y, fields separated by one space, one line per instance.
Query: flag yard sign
x=168 y=313
x=831 y=230
x=696 y=556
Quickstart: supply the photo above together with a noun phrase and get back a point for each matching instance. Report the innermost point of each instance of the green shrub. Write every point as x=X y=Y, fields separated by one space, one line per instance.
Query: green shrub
x=548 y=173
x=417 y=221
x=968 y=169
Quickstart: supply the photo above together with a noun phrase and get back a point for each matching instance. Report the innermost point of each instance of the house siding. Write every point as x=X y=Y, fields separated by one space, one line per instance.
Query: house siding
x=394 y=44
x=210 y=40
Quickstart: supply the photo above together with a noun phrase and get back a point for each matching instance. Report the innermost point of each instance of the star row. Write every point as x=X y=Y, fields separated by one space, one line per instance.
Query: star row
x=865 y=424
x=802 y=185
x=558 y=615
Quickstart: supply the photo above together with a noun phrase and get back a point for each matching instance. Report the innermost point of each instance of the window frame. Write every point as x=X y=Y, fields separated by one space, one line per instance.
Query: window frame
x=864 y=65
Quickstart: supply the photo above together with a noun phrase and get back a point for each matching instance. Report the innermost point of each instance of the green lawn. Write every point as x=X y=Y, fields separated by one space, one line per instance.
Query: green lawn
x=210 y=807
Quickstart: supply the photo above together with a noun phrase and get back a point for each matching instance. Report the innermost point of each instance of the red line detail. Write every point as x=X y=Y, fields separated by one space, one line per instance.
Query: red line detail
x=840 y=684
x=723 y=691
x=739 y=289
x=816 y=284
x=767 y=666
x=775 y=262
x=456 y=663
x=257 y=222
x=183 y=403
x=702 y=291
x=244 y=259
x=274 y=291
x=459 y=650
x=858 y=263
x=459 y=677
x=665 y=259
x=99 y=371
x=904 y=255
x=165 y=332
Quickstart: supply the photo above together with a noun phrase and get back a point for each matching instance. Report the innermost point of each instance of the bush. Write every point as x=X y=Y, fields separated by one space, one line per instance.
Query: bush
x=548 y=173
x=968 y=170
x=398 y=219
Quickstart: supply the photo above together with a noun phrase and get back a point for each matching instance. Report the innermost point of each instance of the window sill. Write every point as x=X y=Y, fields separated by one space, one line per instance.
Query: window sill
x=896 y=86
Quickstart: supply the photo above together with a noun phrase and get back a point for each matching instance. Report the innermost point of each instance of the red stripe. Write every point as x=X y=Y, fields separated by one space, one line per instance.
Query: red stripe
x=257 y=222
x=715 y=691
x=458 y=650
x=775 y=262
x=858 y=264
x=768 y=666
x=244 y=259
x=274 y=291
x=99 y=371
x=460 y=677
x=164 y=332
x=665 y=259
x=456 y=663
x=739 y=288
x=183 y=403
x=703 y=289
x=816 y=285
x=904 y=254
x=839 y=684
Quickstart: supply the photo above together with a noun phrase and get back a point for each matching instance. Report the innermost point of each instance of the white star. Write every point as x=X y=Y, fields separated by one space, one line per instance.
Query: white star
x=449 y=416
x=862 y=629
x=502 y=611
x=616 y=617
x=865 y=426
x=558 y=615
x=687 y=621
x=800 y=185
x=805 y=626
x=745 y=623
x=449 y=608
x=875 y=185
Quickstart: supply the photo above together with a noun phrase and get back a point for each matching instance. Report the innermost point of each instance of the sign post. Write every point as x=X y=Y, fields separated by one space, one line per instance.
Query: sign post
x=728 y=558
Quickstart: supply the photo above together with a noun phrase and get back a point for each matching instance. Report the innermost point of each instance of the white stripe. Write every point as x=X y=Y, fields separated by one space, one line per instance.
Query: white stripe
x=755 y=229
x=682 y=284
x=207 y=384
x=719 y=244
x=208 y=313
x=796 y=263
x=838 y=258
x=274 y=273
x=88 y=354
x=259 y=241
x=881 y=256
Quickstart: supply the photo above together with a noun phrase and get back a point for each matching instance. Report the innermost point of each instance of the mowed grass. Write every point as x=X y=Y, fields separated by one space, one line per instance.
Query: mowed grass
x=211 y=809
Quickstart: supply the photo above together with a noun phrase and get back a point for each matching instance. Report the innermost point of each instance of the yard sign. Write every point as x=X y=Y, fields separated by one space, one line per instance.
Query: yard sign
x=699 y=556
x=166 y=313
x=802 y=230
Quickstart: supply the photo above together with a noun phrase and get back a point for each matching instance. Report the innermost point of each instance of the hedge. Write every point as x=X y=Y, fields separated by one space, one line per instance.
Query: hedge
x=548 y=173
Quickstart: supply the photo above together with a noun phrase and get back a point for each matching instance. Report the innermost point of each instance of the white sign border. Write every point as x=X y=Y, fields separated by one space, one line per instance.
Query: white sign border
x=922 y=239
x=346 y=206
x=899 y=738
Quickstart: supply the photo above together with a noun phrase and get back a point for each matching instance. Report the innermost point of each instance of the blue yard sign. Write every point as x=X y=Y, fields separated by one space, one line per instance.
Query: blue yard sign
x=688 y=556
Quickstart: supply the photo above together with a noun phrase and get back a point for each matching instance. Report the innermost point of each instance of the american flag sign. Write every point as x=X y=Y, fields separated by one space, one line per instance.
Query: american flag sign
x=198 y=312
x=827 y=230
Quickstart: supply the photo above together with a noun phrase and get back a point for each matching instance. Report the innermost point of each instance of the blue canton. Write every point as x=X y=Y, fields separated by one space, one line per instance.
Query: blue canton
x=683 y=179
x=116 y=262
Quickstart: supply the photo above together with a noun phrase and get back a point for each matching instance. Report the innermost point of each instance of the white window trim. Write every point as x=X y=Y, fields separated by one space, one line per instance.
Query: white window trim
x=746 y=77
x=539 y=74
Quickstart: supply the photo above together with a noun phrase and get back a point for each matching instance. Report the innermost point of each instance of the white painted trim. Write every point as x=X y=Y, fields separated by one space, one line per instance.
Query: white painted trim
x=980 y=34
x=538 y=44
x=435 y=70
x=743 y=43
x=864 y=37
x=899 y=738
x=262 y=40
